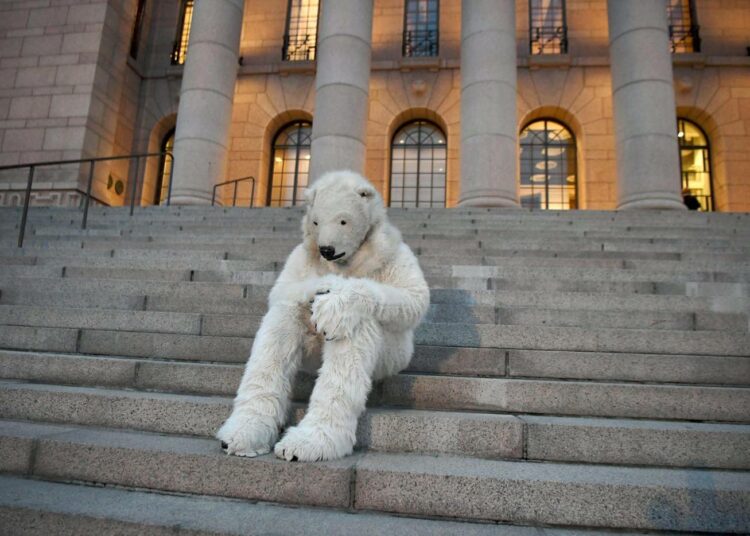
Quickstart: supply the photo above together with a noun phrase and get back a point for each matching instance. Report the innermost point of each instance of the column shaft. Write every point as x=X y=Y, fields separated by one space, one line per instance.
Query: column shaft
x=342 y=85
x=648 y=172
x=489 y=136
x=205 y=111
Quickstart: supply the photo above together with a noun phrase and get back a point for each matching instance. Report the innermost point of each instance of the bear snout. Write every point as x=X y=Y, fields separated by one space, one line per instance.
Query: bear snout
x=329 y=253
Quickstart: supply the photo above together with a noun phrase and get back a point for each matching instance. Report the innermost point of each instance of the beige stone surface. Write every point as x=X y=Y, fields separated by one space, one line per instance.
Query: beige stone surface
x=64 y=67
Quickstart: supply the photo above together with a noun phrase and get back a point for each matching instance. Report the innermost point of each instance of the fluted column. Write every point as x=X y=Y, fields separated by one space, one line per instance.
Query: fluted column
x=342 y=86
x=205 y=110
x=489 y=138
x=648 y=169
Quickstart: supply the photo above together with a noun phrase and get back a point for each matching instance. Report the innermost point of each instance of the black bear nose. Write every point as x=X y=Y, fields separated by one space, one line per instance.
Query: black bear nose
x=327 y=252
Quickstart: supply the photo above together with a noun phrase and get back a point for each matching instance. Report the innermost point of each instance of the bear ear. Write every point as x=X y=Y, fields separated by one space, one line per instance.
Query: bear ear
x=366 y=191
x=310 y=196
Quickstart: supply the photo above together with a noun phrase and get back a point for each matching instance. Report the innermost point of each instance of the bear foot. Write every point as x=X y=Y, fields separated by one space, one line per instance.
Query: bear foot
x=247 y=435
x=313 y=444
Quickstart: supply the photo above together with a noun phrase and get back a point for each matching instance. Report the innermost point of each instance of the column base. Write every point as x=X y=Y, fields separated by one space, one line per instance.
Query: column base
x=190 y=198
x=488 y=201
x=652 y=202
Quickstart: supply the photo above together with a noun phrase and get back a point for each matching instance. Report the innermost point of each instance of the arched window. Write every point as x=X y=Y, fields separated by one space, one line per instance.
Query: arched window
x=185 y=21
x=290 y=164
x=695 y=166
x=418 y=166
x=161 y=192
x=549 y=176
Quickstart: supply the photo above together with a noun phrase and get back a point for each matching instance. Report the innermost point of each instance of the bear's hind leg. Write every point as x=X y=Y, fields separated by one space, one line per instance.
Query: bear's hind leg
x=262 y=401
x=329 y=429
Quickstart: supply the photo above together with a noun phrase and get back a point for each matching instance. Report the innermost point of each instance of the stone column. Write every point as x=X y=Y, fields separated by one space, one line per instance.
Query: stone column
x=648 y=169
x=489 y=137
x=205 y=110
x=342 y=85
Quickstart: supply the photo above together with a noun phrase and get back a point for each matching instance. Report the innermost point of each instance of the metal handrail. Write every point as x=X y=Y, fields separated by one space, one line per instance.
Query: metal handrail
x=92 y=161
x=234 y=197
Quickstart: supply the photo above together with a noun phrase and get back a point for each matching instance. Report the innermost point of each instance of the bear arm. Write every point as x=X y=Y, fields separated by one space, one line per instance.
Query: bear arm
x=296 y=283
x=399 y=306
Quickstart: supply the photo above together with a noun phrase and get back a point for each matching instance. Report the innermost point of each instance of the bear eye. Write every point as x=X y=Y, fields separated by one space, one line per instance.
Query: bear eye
x=343 y=222
x=315 y=223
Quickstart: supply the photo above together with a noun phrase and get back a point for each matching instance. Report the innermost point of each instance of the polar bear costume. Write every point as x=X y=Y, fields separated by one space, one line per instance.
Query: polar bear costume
x=352 y=292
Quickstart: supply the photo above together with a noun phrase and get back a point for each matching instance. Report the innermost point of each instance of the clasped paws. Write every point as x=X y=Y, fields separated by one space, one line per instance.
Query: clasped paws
x=335 y=310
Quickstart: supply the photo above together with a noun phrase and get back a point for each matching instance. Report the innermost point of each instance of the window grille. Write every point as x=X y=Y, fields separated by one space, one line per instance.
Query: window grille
x=290 y=165
x=161 y=192
x=418 y=166
x=421 y=28
x=548 y=30
x=179 y=51
x=684 y=33
x=549 y=177
x=695 y=166
x=135 y=40
x=301 y=35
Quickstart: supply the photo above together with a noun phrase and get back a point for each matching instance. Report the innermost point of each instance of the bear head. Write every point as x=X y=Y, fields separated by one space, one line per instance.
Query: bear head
x=342 y=209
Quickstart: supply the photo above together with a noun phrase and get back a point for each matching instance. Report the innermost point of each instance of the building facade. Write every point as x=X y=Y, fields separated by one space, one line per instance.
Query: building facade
x=548 y=104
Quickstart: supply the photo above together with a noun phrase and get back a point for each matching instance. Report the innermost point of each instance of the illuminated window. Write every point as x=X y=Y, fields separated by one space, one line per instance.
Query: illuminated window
x=421 y=28
x=135 y=39
x=290 y=165
x=301 y=30
x=179 y=52
x=683 y=30
x=161 y=192
x=549 y=178
x=548 y=31
x=418 y=166
x=695 y=166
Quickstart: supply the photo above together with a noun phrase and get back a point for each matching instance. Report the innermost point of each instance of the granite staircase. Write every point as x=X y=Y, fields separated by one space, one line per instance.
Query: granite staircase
x=578 y=372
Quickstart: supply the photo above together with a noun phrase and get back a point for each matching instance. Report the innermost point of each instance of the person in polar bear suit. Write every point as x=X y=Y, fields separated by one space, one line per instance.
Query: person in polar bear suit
x=351 y=291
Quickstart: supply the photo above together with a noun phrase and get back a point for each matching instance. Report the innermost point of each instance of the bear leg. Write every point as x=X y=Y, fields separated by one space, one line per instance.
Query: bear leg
x=262 y=401
x=329 y=429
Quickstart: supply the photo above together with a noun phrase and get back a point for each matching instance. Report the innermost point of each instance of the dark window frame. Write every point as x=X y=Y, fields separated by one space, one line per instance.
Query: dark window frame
x=537 y=33
x=182 y=41
x=707 y=148
x=297 y=146
x=162 y=165
x=308 y=52
x=574 y=143
x=682 y=35
x=419 y=148
x=135 y=37
x=421 y=43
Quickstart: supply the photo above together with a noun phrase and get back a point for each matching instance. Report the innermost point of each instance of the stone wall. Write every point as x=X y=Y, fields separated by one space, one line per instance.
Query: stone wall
x=67 y=89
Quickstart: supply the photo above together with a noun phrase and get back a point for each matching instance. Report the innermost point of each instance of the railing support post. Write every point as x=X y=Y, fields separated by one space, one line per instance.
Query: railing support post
x=26 y=202
x=135 y=185
x=252 y=193
x=213 y=195
x=234 y=197
x=88 y=195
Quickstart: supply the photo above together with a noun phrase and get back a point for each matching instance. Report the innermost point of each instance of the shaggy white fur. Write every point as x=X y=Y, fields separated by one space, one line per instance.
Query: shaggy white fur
x=352 y=291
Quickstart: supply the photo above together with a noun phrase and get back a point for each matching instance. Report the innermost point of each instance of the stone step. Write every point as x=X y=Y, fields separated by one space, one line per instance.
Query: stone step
x=459 y=266
x=245 y=324
x=234 y=348
x=428 y=391
x=479 y=304
x=482 y=435
x=41 y=508
x=410 y=233
x=450 y=487
x=453 y=247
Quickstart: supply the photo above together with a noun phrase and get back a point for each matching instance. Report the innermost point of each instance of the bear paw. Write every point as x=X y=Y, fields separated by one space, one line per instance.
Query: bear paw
x=247 y=435
x=334 y=314
x=313 y=444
